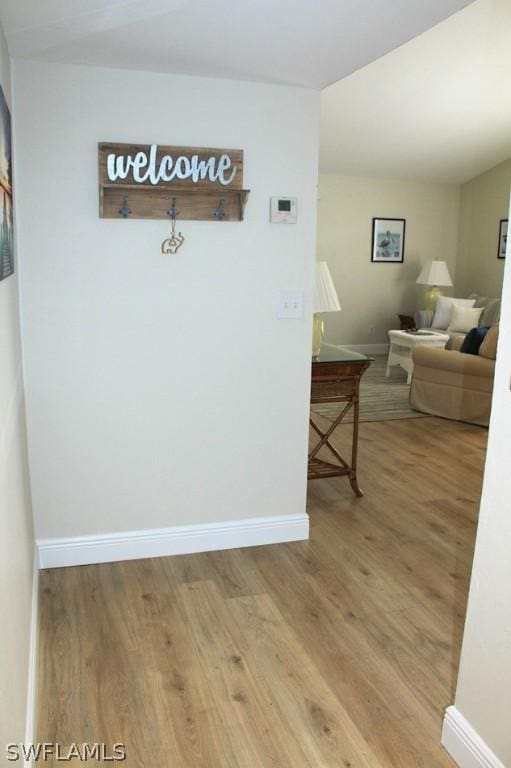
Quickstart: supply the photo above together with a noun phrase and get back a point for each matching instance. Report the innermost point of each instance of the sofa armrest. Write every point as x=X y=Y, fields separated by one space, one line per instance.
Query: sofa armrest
x=423 y=318
x=450 y=360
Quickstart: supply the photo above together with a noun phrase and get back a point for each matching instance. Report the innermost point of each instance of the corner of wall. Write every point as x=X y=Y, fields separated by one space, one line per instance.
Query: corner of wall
x=464 y=744
x=31 y=719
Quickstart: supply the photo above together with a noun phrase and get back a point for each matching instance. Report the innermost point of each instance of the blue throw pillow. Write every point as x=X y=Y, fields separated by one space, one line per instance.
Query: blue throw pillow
x=474 y=339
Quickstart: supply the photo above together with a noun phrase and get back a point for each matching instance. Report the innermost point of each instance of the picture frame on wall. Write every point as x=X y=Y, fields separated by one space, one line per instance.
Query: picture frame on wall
x=501 y=253
x=6 y=215
x=388 y=244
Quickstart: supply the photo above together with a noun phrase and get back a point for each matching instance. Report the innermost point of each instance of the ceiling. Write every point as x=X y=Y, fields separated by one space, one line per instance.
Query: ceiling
x=291 y=41
x=436 y=108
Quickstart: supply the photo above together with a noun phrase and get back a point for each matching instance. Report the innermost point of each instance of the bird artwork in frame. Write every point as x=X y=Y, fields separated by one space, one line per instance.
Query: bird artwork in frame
x=6 y=218
x=388 y=240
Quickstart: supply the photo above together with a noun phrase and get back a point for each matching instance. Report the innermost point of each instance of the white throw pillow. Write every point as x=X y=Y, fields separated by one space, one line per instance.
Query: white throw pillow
x=463 y=319
x=444 y=305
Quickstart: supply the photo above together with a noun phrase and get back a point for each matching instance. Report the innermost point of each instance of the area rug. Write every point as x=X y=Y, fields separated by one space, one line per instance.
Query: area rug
x=381 y=399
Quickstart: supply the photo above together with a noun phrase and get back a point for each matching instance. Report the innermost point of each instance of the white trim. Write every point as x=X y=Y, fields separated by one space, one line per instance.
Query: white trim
x=31 y=722
x=178 y=540
x=464 y=743
x=364 y=349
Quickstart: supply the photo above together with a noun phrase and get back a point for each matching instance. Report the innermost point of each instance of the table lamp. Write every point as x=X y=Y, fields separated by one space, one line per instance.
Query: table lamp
x=435 y=273
x=325 y=300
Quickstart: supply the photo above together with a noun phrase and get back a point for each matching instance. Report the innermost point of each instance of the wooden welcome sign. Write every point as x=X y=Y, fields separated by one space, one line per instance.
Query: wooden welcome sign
x=150 y=181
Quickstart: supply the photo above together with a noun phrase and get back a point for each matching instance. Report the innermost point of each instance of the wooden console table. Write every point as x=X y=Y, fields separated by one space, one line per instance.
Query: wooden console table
x=335 y=378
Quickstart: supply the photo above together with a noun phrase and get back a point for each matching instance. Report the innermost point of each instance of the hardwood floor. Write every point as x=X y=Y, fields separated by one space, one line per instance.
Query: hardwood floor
x=339 y=652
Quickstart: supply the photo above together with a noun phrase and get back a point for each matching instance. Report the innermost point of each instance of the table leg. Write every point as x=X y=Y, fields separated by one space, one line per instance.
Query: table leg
x=354 y=484
x=389 y=359
x=325 y=436
x=354 y=451
x=337 y=384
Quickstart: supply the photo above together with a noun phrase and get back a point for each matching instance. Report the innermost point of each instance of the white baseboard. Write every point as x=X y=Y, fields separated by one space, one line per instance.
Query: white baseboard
x=31 y=721
x=178 y=540
x=364 y=349
x=464 y=744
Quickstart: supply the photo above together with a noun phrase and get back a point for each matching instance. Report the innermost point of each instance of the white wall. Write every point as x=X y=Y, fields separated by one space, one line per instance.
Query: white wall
x=484 y=201
x=372 y=294
x=483 y=695
x=16 y=529
x=162 y=390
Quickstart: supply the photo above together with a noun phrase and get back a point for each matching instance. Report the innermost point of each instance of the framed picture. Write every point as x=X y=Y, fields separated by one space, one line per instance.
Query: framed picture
x=501 y=253
x=6 y=232
x=388 y=240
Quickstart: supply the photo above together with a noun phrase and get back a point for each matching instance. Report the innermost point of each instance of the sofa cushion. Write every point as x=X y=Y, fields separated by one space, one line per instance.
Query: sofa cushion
x=488 y=348
x=491 y=313
x=463 y=319
x=480 y=301
x=443 y=309
x=455 y=341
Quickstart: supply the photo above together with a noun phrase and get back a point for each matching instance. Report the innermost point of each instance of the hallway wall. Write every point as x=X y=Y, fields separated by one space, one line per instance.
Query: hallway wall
x=16 y=527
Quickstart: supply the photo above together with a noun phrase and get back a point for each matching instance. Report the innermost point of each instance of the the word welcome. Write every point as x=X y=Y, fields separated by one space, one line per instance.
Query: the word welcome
x=145 y=167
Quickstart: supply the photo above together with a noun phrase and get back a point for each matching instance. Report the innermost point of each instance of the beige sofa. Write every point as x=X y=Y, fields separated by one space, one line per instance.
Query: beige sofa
x=455 y=385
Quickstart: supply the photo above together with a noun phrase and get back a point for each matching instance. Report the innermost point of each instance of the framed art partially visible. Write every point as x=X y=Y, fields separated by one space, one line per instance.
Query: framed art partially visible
x=6 y=232
x=501 y=253
x=388 y=240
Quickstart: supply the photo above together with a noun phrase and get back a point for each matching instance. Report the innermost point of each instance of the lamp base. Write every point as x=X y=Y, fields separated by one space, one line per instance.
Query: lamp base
x=432 y=296
x=318 y=334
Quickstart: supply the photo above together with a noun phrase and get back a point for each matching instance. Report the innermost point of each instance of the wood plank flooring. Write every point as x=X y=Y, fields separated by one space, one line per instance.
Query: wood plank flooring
x=339 y=652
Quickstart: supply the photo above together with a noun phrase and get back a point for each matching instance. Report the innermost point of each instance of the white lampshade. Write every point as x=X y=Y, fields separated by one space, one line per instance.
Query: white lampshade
x=325 y=295
x=435 y=273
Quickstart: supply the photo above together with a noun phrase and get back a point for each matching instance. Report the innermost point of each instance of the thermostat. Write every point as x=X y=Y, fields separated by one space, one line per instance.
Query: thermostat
x=283 y=210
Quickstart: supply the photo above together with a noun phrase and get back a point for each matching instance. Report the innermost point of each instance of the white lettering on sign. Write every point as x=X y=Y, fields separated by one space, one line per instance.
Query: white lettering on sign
x=144 y=167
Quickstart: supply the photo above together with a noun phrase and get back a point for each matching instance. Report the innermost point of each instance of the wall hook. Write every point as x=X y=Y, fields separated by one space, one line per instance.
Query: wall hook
x=172 y=243
x=173 y=212
x=124 y=211
x=220 y=213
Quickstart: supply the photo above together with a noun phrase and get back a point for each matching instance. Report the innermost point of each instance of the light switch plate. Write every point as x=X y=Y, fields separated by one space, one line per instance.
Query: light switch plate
x=290 y=305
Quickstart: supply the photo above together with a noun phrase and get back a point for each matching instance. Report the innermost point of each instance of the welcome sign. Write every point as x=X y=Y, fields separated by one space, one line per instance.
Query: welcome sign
x=153 y=165
x=155 y=181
